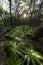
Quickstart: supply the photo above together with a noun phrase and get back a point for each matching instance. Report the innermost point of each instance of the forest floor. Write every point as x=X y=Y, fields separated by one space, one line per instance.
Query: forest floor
x=3 y=59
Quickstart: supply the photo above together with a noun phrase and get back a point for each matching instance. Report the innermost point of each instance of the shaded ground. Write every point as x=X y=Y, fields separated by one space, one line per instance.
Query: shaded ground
x=3 y=59
x=4 y=30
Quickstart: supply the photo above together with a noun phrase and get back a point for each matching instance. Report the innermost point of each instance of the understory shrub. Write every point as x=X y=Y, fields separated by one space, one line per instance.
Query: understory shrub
x=18 y=54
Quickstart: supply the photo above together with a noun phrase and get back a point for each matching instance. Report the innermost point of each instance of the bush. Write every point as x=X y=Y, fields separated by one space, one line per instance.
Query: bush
x=17 y=55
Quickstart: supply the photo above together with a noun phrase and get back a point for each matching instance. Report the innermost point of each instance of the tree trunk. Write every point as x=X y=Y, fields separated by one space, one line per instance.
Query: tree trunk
x=10 y=14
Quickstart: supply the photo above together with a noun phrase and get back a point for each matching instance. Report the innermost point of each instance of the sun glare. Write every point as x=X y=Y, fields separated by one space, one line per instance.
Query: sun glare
x=24 y=15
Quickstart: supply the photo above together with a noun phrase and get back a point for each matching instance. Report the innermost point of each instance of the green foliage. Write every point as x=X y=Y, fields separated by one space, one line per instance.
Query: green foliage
x=33 y=56
x=12 y=48
x=12 y=61
x=8 y=47
x=20 y=51
x=21 y=30
x=0 y=20
x=14 y=54
x=1 y=10
x=19 y=54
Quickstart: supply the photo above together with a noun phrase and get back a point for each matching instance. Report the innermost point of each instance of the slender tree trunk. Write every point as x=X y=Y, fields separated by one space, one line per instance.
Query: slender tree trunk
x=10 y=14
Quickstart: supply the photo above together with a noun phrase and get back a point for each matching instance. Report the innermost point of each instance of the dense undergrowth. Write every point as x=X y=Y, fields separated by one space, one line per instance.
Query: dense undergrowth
x=21 y=51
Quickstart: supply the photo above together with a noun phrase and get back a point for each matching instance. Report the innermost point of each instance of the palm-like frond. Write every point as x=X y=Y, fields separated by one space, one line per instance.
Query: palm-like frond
x=33 y=56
